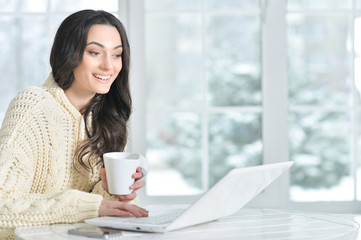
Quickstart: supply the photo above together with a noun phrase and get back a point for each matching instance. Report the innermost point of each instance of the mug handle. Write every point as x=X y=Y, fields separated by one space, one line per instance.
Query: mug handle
x=144 y=165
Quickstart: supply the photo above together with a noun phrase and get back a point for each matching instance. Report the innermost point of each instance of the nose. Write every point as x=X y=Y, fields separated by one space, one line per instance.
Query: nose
x=106 y=63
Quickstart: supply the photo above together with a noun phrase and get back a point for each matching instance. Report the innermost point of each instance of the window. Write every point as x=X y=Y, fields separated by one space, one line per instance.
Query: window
x=204 y=96
x=239 y=83
x=323 y=102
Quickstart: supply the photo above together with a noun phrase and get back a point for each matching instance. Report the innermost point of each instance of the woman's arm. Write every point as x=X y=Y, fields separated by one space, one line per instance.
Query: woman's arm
x=34 y=179
x=35 y=175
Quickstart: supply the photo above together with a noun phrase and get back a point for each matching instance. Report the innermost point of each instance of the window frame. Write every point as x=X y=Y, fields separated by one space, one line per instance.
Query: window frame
x=275 y=108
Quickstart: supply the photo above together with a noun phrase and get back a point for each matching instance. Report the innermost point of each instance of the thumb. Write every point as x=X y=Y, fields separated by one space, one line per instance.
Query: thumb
x=103 y=177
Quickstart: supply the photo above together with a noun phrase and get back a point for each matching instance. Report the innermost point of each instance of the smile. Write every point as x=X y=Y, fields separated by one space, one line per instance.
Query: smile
x=101 y=77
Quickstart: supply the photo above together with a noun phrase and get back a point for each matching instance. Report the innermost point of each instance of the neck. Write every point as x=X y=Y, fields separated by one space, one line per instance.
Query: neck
x=79 y=101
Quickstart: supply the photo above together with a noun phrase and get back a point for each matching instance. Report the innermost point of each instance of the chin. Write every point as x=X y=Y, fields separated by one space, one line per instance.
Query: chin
x=103 y=91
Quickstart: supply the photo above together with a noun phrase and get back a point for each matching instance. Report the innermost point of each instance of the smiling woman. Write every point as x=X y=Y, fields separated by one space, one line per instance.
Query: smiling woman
x=54 y=136
x=101 y=64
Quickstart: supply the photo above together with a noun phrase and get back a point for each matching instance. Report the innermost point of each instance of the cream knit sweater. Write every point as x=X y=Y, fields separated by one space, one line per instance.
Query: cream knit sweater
x=38 y=182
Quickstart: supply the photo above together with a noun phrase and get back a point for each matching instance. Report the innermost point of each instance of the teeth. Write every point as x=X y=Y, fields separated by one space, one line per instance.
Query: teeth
x=102 y=77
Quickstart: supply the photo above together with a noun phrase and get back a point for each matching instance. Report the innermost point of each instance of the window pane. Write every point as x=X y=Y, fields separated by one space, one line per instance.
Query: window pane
x=71 y=5
x=233 y=60
x=162 y=5
x=358 y=154
x=319 y=4
x=33 y=6
x=234 y=141
x=174 y=154
x=357 y=62
x=8 y=65
x=8 y=5
x=242 y=4
x=173 y=50
x=23 y=5
x=55 y=22
x=34 y=54
x=320 y=59
x=197 y=60
x=320 y=146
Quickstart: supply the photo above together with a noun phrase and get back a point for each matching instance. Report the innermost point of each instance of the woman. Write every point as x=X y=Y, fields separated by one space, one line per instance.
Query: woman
x=53 y=137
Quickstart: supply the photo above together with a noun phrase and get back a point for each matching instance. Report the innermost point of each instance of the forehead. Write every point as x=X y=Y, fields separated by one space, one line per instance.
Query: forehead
x=104 y=34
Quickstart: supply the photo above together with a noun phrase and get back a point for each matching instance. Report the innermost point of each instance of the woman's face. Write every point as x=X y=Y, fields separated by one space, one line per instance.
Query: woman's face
x=102 y=61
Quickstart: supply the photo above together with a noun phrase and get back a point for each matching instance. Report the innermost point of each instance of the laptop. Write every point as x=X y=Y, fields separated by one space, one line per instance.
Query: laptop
x=226 y=197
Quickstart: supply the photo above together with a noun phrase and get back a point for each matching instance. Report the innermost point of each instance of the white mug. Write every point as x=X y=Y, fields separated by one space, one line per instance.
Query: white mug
x=119 y=167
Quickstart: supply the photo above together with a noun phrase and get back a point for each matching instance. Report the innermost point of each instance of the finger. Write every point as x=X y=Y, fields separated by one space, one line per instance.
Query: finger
x=138 y=173
x=127 y=198
x=115 y=208
x=112 y=208
x=137 y=185
x=118 y=213
x=103 y=177
x=132 y=209
x=135 y=210
x=143 y=212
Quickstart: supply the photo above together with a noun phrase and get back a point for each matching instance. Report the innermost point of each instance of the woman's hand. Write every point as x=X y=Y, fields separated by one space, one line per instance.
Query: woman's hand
x=116 y=208
x=136 y=186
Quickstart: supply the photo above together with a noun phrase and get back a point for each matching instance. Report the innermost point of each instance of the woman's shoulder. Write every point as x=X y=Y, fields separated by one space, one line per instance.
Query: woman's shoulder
x=23 y=110
x=27 y=101
x=30 y=97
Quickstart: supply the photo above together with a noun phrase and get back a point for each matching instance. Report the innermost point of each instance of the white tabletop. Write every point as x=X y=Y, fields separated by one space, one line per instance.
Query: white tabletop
x=249 y=223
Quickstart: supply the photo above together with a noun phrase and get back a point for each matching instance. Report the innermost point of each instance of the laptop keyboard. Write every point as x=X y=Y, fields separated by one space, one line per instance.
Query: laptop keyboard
x=160 y=219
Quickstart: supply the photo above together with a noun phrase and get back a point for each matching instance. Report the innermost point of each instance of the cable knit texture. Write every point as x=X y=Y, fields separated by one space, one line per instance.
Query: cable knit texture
x=38 y=182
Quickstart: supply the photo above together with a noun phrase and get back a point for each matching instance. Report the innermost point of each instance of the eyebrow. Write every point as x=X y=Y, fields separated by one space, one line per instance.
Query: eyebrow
x=102 y=46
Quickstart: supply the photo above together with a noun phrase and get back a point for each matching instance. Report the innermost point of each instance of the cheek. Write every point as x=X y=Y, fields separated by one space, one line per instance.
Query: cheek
x=83 y=68
x=88 y=63
x=120 y=66
x=77 y=72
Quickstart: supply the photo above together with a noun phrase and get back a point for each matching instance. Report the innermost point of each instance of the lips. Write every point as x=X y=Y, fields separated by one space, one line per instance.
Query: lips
x=102 y=77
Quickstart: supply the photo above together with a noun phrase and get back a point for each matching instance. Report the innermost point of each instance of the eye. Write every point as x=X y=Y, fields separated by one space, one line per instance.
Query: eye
x=94 y=53
x=118 y=55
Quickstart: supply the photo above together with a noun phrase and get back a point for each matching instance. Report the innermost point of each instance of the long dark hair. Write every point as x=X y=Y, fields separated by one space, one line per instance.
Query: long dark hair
x=109 y=112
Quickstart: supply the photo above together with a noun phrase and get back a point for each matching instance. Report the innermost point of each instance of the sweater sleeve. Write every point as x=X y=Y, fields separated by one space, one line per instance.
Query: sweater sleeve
x=31 y=188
